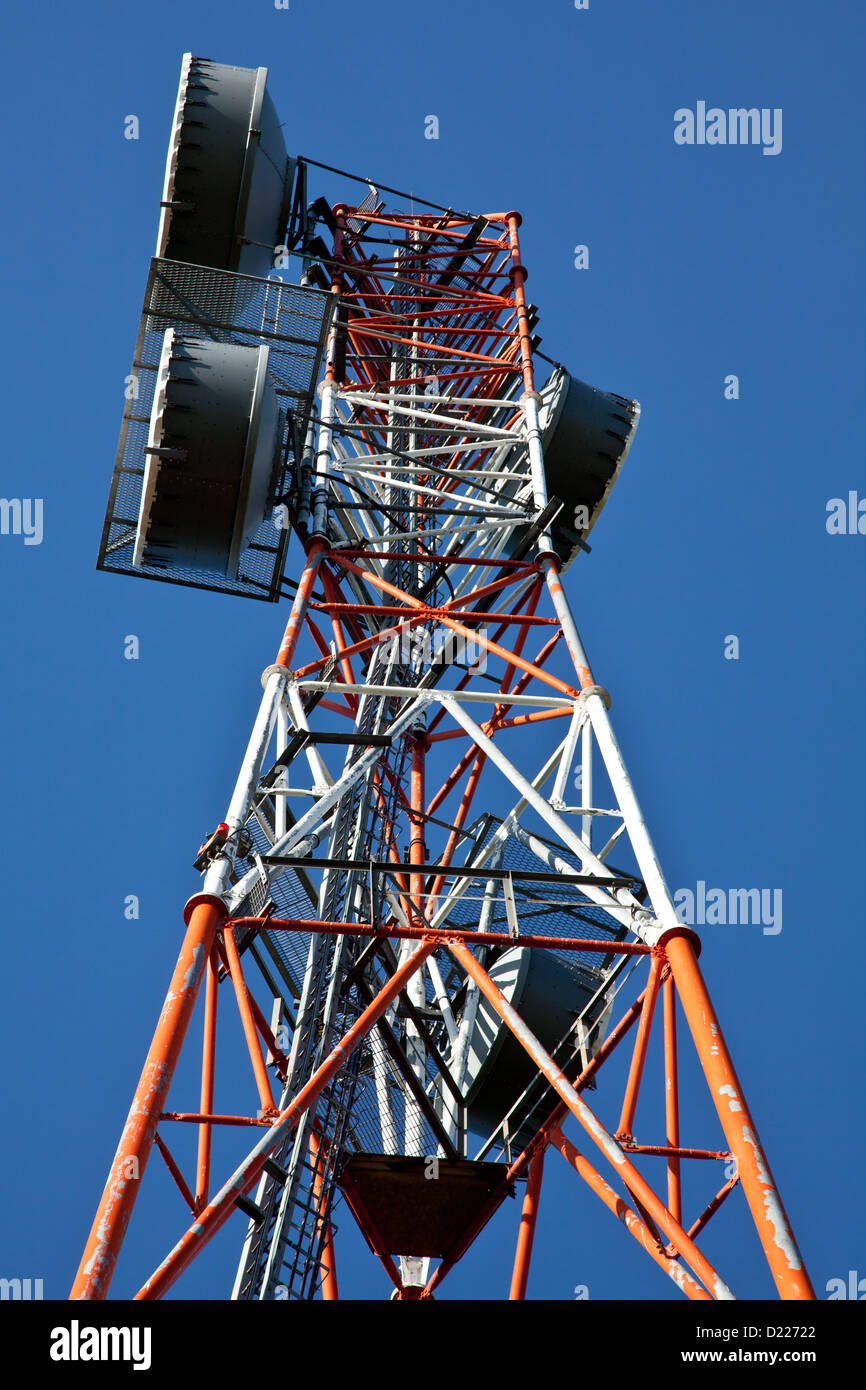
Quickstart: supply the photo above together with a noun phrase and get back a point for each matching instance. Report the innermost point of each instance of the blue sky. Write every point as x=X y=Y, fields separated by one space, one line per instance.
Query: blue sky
x=703 y=262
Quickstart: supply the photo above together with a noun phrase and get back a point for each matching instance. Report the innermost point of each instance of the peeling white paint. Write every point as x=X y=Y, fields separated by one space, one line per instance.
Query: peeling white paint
x=749 y=1138
x=783 y=1236
x=598 y=1131
x=733 y=1103
x=192 y=974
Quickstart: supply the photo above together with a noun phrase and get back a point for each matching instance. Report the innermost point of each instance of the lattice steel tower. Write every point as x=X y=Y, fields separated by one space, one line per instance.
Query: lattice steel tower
x=433 y=862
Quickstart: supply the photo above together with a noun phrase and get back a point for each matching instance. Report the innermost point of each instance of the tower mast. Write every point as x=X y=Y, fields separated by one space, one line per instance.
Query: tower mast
x=451 y=952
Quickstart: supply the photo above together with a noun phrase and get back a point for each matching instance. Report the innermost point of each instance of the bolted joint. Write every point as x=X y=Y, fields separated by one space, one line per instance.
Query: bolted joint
x=280 y=671
x=208 y=899
x=686 y=932
x=596 y=690
x=544 y=557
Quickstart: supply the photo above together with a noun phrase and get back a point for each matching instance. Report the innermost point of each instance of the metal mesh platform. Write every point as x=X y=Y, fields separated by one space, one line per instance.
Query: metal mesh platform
x=551 y=908
x=293 y=322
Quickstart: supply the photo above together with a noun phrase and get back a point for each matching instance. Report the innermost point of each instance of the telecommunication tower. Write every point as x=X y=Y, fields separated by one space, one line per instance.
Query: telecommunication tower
x=433 y=870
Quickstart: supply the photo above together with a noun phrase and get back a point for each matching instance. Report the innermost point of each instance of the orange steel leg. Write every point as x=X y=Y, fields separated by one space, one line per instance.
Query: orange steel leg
x=672 y=1110
x=526 y=1234
x=202 y=1180
x=115 y=1207
x=765 y=1204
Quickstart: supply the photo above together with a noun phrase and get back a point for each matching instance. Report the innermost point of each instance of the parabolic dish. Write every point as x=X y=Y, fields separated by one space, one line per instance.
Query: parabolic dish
x=587 y=434
x=227 y=178
x=212 y=452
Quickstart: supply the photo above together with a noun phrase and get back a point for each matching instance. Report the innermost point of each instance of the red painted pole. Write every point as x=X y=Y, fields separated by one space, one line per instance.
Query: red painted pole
x=299 y=606
x=672 y=1104
x=765 y=1204
x=641 y=1042
x=263 y=1081
x=713 y=1206
x=526 y=1233
x=205 y=1133
x=327 y=1259
x=553 y=943
x=416 y=830
x=115 y=1208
